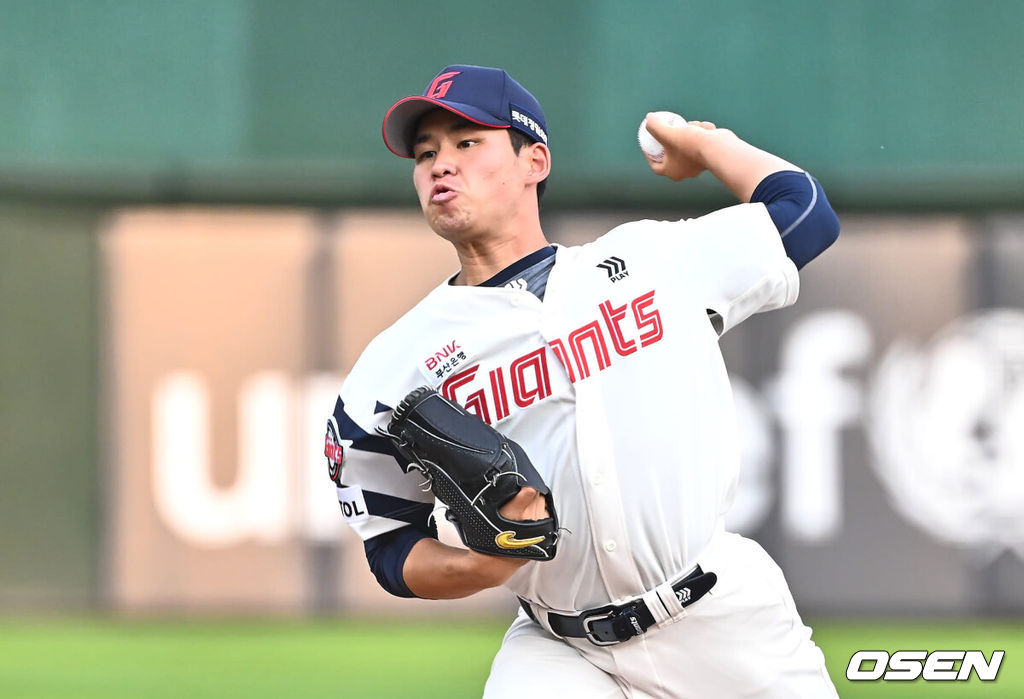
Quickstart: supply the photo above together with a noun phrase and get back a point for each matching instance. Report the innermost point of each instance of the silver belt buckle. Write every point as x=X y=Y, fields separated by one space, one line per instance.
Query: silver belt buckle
x=590 y=632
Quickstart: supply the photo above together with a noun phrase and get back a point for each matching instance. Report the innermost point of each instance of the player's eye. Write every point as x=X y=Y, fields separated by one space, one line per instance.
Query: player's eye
x=424 y=155
x=466 y=143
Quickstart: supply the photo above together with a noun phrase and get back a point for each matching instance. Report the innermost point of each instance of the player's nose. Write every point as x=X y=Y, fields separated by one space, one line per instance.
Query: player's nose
x=444 y=162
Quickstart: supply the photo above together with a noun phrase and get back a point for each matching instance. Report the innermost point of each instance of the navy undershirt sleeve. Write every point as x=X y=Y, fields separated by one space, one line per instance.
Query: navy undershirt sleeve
x=798 y=207
x=386 y=554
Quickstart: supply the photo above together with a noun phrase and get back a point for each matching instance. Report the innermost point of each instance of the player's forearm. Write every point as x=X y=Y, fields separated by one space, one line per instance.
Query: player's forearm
x=736 y=163
x=437 y=571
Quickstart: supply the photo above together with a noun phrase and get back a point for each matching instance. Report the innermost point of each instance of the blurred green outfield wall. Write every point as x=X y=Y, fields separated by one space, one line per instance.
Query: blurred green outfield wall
x=49 y=393
x=892 y=103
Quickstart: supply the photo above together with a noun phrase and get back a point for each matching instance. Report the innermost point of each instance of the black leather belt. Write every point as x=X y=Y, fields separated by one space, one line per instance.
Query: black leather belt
x=606 y=626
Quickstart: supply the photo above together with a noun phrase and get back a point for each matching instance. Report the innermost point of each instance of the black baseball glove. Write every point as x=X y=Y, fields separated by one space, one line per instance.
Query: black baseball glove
x=473 y=469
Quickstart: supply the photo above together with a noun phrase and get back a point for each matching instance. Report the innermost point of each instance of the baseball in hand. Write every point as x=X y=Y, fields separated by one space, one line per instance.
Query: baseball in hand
x=648 y=144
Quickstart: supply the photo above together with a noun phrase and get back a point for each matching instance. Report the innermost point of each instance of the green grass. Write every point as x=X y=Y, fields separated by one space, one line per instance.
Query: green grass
x=109 y=659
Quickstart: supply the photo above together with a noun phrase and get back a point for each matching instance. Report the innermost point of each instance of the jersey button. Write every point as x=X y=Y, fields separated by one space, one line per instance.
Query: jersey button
x=515 y=301
x=598 y=479
x=609 y=545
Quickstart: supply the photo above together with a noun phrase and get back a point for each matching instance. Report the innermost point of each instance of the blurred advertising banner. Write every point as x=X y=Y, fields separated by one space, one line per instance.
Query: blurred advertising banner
x=205 y=336
x=890 y=404
x=882 y=417
x=228 y=336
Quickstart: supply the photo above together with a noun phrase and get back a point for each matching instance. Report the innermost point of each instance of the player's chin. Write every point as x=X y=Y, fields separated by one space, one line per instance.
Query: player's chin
x=450 y=225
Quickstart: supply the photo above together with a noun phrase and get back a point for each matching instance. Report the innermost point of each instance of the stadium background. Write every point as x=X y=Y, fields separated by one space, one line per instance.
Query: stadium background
x=200 y=229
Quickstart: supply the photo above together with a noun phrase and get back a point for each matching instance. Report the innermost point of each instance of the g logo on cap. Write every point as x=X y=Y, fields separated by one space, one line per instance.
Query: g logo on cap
x=439 y=89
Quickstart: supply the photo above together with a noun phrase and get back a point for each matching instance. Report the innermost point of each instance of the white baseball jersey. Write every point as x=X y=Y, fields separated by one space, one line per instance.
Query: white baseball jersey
x=614 y=385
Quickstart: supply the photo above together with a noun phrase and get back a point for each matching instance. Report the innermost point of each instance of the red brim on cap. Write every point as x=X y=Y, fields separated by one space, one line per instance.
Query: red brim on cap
x=403 y=115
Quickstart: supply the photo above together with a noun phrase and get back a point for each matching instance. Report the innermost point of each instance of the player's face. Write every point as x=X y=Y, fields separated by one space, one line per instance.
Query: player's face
x=469 y=179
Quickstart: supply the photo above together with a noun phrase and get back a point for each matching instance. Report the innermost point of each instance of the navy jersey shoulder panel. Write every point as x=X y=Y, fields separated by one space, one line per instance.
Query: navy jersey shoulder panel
x=386 y=556
x=800 y=211
x=409 y=511
x=348 y=429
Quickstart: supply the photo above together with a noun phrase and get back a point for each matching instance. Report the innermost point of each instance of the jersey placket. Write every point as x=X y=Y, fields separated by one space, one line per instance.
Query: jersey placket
x=594 y=447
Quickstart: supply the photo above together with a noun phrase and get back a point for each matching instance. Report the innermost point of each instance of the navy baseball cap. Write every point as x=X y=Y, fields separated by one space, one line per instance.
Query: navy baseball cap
x=486 y=96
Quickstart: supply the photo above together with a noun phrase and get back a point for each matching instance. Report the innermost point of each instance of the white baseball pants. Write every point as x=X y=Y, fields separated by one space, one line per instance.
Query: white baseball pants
x=745 y=638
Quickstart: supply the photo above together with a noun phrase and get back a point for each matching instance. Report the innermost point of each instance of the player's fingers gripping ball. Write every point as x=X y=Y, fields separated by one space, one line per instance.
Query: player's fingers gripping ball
x=651 y=147
x=473 y=469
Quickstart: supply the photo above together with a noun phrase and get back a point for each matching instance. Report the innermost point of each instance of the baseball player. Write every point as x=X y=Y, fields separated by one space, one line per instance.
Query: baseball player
x=571 y=408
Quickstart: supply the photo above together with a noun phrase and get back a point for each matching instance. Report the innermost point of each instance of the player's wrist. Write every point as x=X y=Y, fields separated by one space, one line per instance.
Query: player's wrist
x=711 y=146
x=492 y=571
x=434 y=570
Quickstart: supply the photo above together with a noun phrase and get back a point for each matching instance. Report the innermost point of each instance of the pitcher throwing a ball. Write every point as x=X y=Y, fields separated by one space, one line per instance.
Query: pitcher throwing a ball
x=570 y=408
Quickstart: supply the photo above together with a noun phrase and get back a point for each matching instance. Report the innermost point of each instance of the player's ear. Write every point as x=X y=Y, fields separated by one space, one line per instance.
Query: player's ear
x=539 y=161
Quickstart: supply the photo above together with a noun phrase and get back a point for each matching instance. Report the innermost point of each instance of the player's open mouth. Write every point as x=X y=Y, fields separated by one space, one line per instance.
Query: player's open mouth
x=441 y=194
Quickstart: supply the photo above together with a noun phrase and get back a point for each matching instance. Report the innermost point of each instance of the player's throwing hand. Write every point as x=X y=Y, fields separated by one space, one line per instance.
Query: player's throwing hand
x=683 y=143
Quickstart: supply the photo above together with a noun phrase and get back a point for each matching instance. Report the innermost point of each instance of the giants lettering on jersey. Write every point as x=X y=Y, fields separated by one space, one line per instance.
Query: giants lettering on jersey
x=582 y=352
